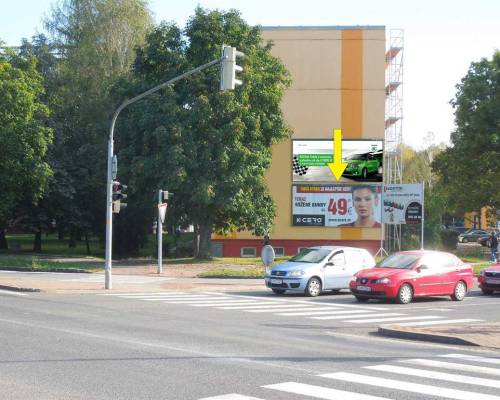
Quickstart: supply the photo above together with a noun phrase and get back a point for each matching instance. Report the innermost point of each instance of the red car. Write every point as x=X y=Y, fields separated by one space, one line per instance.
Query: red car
x=408 y=274
x=489 y=279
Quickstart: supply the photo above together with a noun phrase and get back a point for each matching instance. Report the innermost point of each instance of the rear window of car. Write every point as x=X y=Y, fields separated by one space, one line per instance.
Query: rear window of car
x=399 y=260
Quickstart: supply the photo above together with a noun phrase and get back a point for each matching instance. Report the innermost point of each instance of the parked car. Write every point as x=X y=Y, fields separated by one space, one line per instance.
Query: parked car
x=316 y=269
x=459 y=229
x=489 y=279
x=408 y=274
x=485 y=241
x=472 y=235
x=363 y=164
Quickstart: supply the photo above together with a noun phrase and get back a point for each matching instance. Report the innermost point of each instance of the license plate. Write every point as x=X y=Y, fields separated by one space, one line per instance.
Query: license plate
x=277 y=281
x=493 y=281
x=364 y=288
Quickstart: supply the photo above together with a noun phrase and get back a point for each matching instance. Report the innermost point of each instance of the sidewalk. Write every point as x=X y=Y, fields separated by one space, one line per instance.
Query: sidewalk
x=173 y=277
x=480 y=334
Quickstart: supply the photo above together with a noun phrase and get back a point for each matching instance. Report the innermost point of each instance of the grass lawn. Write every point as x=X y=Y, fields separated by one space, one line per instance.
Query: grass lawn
x=32 y=263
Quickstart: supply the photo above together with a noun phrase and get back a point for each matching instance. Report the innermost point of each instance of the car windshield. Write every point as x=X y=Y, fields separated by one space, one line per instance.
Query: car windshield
x=310 y=256
x=357 y=157
x=403 y=261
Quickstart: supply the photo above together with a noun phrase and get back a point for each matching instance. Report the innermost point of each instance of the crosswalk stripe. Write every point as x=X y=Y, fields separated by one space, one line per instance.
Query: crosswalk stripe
x=232 y=396
x=357 y=316
x=141 y=294
x=440 y=322
x=333 y=311
x=255 y=306
x=363 y=321
x=409 y=386
x=320 y=392
x=277 y=309
x=322 y=311
x=453 y=366
x=208 y=301
x=473 y=358
x=470 y=380
x=166 y=297
x=228 y=303
x=12 y=293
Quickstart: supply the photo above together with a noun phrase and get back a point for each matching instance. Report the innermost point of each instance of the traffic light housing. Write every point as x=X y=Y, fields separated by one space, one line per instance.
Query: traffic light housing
x=118 y=196
x=229 y=68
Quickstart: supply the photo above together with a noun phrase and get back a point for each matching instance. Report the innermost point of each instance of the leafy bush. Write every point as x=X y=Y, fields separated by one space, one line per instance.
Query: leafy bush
x=449 y=239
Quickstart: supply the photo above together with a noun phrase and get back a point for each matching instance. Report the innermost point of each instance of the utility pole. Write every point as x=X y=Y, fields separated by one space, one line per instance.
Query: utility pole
x=227 y=58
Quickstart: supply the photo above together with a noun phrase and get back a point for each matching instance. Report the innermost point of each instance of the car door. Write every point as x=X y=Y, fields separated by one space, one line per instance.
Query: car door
x=453 y=269
x=428 y=276
x=335 y=271
x=372 y=164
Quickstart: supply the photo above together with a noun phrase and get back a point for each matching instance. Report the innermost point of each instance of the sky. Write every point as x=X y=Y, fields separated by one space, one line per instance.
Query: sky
x=442 y=38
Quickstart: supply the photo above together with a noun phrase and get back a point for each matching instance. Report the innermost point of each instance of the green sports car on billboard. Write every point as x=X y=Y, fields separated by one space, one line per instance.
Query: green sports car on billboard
x=362 y=165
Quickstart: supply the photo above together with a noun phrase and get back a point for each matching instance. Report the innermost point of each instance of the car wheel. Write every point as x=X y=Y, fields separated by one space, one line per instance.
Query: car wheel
x=459 y=292
x=405 y=294
x=362 y=299
x=313 y=287
x=364 y=173
x=487 y=291
x=278 y=291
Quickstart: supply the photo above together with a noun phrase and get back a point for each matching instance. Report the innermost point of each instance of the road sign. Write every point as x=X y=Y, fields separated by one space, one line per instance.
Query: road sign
x=162 y=208
x=267 y=255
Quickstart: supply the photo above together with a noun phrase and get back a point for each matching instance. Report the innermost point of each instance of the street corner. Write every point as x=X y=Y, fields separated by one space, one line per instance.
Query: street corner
x=470 y=334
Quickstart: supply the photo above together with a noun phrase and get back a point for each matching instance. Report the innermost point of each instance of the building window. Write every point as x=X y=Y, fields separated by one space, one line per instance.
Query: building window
x=301 y=249
x=248 y=252
x=279 y=251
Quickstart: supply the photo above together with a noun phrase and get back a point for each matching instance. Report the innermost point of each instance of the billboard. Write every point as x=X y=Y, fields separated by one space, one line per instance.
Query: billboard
x=402 y=203
x=364 y=160
x=336 y=205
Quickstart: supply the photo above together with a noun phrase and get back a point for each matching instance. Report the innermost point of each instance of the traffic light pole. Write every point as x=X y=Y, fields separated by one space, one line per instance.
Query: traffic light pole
x=109 y=201
x=159 y=231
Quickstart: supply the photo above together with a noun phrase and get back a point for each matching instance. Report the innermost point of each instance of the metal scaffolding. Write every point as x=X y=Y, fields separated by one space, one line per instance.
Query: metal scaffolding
x=393 y=151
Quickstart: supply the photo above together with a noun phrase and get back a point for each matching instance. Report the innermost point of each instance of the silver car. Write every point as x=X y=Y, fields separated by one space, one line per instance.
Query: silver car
x=320 y=268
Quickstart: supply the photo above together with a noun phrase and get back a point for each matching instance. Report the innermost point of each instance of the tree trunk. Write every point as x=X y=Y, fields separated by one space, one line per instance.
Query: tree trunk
x=87 y=243
x=72 y=239
x=204 y=251
x=37 y=245
x=3 y=238
x=60 y=234
x=196 y=240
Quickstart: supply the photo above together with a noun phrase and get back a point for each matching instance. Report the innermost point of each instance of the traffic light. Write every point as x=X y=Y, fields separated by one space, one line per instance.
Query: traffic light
x=118 y=196
x=229 y=68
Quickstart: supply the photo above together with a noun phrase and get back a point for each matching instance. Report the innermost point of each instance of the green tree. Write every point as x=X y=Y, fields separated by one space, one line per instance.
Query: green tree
x=469 y=168
x=211 y=148
x=23 y=137
x=96 y=42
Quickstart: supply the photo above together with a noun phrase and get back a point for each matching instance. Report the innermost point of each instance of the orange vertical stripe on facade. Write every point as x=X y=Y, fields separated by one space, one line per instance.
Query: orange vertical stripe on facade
x=352 y=84
x=352 y=99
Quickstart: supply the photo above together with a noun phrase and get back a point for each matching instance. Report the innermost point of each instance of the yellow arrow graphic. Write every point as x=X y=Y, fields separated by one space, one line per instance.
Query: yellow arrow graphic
x=337 y=166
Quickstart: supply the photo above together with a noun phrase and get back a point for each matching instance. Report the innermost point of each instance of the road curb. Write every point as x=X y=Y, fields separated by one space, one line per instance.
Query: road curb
x=390 y=331
x=18 y=289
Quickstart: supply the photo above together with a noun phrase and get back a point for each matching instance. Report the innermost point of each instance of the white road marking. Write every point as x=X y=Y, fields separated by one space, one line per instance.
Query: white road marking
x=208 y=301
x=467 y=357
x=132 y=294
x=232 y=396
x=227 y=303
x=362 y=321
x=441 y=322
x=13 y=293
x=316 y=311
x=320 y=392
x=358 y=316
x=423 y=373
x=256 y=305
x=410 y=387
x=453 y=366
x=279 y=308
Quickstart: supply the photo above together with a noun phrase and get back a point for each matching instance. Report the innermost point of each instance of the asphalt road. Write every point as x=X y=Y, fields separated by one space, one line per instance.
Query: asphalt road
x=234 y=346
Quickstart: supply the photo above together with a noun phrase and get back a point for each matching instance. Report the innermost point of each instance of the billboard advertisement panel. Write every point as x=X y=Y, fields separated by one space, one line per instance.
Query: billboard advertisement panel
x=402 y=203
x=364 y=160
x=336 y=205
